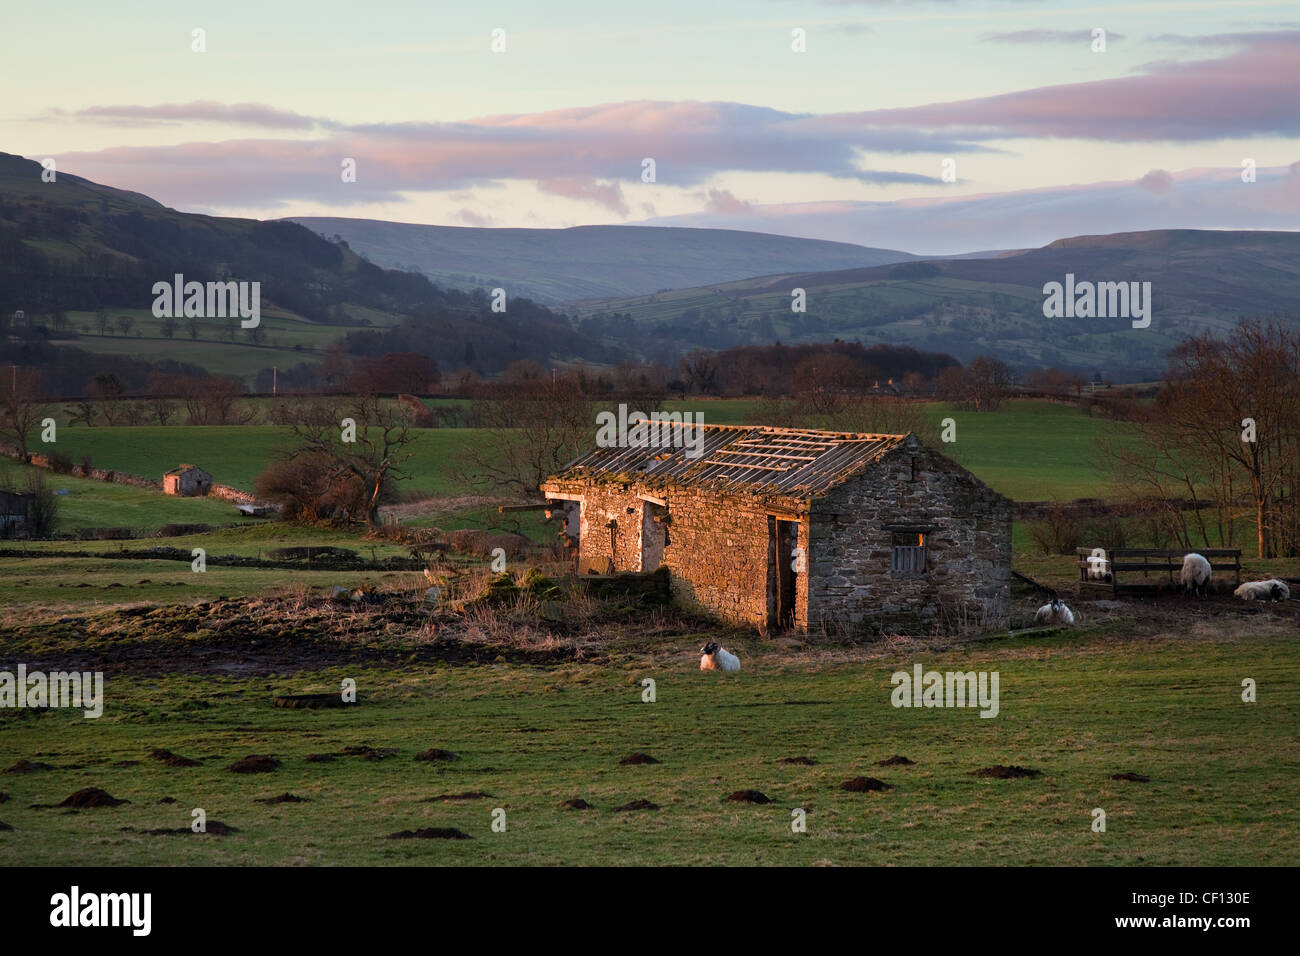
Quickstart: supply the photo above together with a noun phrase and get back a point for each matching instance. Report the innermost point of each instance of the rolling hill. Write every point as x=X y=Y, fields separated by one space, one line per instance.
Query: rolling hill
x=70 y=248
x=1200 y=280
x=559 y=265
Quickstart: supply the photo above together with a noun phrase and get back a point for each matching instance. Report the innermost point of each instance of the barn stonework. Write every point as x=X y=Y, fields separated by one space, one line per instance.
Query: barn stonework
x=838 y=532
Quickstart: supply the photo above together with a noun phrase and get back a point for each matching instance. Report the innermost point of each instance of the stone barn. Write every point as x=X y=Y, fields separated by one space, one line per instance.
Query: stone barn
x=187 y=481
x=796 y=528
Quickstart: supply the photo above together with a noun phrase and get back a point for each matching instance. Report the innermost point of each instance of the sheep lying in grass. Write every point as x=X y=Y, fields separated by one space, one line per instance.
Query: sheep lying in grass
x=716 y=658
x=1270 y=590
x=1196 y=573
x=1054 y=613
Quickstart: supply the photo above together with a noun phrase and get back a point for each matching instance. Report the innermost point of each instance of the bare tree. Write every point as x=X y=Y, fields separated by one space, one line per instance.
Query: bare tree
x=357 y=442
x=532 y=431
x=20 y=405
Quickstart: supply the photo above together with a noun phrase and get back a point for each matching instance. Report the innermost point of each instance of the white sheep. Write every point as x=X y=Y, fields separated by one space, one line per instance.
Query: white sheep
x=1054 y=613
x=1098 y=566
x=1270 y=590
x=1196 y=573
x=714 y=657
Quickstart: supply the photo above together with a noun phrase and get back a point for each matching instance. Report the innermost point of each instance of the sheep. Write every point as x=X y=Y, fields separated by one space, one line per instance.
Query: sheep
x=1270 y=590
x=1098 y=566
x=1196 y=573
x=1054 y=613
x=714 y=657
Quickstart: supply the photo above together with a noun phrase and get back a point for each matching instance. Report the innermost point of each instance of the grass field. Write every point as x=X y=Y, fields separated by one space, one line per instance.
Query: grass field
x=1030 y=450
x=1223 y=789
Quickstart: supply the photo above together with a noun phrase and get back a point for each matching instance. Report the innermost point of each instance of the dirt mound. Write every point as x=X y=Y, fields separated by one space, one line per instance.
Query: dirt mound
x=28 y=766
x=637 y=805
x=467 y=795
x=577 y=804
x=433 y=753
x=166 y=800
x=282 y=798
x=430 y=833
x=321 y=758
x=90 y=797
x=308 y=701
x=369 y=753
x=3 y=796
x=1135 y=777
x=214 y=827
x=255 y=763
x=171 y=759
x=800 y=761
x=636 y=758
x=1006 y=773
x=895 y=761
x=4 y=827
x=865 y=785
x=749 y=796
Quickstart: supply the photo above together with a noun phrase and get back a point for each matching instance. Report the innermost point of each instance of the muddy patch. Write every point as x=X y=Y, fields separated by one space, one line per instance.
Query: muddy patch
x=637 y=805
x=171 y=759
x=800 y=761
x=321 y=758
x=898 y=760
x=308 y=701
x=282 y=798
x=1135 y=777
x=434 y=753
x=255 y=763
x=576 y=804
x=369 y=753
x=748 y=796
x=635 y=759
x=3 y=796
x=999 y=772
x=430 y=833
x=28 y=766
x=467 y=795
x=4 y=827
x=865 y=785
x=214 y=828
x=167 y=800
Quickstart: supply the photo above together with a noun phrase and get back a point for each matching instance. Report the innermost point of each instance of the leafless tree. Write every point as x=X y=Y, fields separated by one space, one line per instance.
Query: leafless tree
x=20 y=405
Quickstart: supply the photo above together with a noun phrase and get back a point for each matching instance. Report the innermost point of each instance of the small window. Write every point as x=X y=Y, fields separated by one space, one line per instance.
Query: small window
x=909 y=553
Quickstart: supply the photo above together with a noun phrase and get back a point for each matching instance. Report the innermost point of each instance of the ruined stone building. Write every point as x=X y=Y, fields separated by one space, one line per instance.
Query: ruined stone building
x=187 y=481
x=780 y=527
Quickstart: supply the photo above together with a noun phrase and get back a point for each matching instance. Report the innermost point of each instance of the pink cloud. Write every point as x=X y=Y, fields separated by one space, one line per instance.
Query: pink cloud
x=609 y=195
x=723 y=202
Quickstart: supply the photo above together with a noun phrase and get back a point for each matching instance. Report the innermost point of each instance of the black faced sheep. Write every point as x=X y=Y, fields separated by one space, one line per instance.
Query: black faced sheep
x=1054 y=613
x=1270 y=590
x=1196 y=573
x=716 y=658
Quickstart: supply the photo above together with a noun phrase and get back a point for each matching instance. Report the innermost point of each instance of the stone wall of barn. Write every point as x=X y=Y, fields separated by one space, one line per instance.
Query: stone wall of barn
x=717 y=546
x=968 y=549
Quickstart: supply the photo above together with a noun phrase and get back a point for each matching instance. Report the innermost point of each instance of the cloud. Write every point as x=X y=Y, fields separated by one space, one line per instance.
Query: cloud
x=1249 y=91
x=470 y=218
x=199 y=111
x=1157 y=181
x=609 y=195
x=724 y=202
x=1083 y=37
x=581 y=153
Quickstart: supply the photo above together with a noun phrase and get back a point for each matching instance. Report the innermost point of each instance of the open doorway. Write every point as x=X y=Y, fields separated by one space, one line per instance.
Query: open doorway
x=654 y=533
x=783 y=539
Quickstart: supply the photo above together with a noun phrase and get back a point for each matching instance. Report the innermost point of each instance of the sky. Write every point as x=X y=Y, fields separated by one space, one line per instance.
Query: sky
x=898 y=124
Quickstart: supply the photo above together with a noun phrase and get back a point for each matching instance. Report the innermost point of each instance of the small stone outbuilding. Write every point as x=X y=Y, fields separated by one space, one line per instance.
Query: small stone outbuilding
x=796 y=528
x=187 y=481
x=15 y=513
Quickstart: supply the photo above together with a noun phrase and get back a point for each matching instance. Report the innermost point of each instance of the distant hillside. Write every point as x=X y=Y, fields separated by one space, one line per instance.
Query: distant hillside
x=1200 y=280
x=71 y=247
x=559 y=265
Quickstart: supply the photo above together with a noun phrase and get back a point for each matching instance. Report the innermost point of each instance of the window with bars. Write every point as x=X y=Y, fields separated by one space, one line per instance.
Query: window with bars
x=908 y=555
